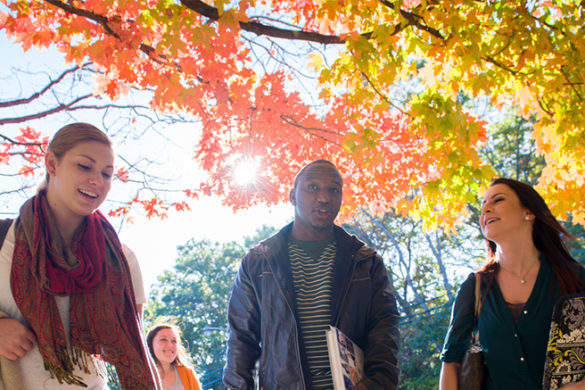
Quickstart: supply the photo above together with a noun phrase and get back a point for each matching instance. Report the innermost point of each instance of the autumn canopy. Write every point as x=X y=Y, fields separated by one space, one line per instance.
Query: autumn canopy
x=379 y=87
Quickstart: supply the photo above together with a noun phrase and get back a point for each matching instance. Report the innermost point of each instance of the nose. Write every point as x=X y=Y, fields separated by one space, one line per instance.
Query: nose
x=323 y=196
x=96 y=179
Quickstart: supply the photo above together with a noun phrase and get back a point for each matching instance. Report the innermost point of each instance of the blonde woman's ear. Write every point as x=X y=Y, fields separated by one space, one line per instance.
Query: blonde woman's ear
x=51 y=163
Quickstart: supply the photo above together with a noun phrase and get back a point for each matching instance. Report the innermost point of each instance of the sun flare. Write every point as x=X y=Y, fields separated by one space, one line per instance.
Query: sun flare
x=245 y=172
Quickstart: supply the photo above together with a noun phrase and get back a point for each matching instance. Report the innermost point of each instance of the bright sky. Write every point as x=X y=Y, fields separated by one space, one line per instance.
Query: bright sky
x=154 y=241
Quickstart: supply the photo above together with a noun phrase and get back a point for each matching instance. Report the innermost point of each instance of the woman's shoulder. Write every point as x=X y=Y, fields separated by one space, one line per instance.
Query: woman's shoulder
x=188 y=378
x=469 y=282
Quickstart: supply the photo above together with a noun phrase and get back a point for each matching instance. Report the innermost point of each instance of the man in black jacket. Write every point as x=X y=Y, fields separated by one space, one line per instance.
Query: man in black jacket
x=292 y=286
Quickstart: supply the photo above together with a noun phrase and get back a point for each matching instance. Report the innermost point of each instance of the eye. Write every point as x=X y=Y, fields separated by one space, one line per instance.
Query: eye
x=83 y=167
x=107 y=175
x=498 y=200
x=335 y=190
x=313 y=187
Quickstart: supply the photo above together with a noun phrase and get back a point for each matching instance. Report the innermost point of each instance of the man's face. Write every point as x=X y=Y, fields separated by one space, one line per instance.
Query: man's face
x=317 y=199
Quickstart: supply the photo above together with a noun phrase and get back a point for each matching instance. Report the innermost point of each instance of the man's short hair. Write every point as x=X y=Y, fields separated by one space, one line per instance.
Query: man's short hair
x=303 y=169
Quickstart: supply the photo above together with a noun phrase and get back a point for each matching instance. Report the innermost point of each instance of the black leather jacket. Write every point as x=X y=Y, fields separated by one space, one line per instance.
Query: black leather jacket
x=263 y=326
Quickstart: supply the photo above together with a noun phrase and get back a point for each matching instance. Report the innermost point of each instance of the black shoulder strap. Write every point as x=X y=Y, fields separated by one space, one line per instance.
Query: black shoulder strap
x=4 y=226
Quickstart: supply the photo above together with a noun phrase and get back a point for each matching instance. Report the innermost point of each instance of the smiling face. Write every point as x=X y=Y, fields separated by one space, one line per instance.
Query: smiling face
x=80 y=180
x=317 y=200
x=502 y=214
x=164 y=346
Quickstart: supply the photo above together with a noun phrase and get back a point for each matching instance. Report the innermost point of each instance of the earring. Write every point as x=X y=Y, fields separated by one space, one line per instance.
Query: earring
x=527 y=217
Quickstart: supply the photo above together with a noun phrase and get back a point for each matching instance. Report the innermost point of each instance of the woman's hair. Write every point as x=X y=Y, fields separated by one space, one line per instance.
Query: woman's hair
x=182 y=358
x=548 y=236
x=69 y=136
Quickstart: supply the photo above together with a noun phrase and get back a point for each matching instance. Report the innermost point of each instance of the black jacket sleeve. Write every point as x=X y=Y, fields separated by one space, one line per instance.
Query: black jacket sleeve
x=381 y=354
x=243 y=346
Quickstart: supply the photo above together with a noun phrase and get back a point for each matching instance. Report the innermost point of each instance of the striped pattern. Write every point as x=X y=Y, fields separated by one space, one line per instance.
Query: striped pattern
x=313 y=281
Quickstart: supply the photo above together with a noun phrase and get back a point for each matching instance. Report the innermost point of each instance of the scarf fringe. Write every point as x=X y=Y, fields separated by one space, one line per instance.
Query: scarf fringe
x=63 y=372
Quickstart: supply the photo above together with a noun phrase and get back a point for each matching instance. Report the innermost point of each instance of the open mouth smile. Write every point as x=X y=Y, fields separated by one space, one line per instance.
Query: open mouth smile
x=89 y=194
x=490 y=220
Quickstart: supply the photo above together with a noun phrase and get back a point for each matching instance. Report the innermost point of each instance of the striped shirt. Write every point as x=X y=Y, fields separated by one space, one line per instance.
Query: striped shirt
x=313 y=281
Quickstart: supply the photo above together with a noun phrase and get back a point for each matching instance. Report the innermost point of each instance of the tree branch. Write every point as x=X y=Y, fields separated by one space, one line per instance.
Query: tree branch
x=43 y=114
x=263 y=29
x=104 y=22
x=379 y=93
x=437 y=252
x=38 y=94
x=571 y=84
x=311 y=130
x=99 y=19
x=419 y=299
x=413 y=20
x=15 y=142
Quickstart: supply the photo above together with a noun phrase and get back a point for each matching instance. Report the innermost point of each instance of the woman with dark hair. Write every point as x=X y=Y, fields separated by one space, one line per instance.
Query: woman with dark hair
x=528 y=269
x=71 y=293
x=172 y=361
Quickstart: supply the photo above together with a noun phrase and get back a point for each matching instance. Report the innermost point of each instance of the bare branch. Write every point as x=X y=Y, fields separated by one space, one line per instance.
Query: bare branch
x=408 y=279
x=42 y=114
x=38 y=94
x=15 y=142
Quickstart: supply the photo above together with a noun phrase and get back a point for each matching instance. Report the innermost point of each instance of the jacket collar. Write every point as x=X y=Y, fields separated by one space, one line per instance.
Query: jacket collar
x=349 y=251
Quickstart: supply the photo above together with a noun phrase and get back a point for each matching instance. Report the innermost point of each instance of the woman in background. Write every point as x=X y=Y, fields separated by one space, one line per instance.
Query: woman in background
x=528 y=270
x=166 y=348
x=71 y=293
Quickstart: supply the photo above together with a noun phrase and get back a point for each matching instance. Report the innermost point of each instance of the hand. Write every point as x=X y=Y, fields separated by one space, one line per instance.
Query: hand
x=15 y=339
x=573 y=386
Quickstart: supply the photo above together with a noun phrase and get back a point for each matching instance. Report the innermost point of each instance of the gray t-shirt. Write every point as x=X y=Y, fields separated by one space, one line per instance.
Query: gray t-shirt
x=178 y=385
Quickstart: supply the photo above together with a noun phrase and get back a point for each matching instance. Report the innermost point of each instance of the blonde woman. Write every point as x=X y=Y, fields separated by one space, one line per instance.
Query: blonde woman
x=72 y=293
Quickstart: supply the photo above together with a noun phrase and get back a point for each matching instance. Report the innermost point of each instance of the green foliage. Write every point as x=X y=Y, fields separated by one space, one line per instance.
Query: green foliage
x=512 y=152
x=577 y=246
x=195 y=294
x=421 y=343
x=421 y=265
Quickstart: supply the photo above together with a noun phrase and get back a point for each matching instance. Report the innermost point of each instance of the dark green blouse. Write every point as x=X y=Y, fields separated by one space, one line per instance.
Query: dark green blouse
x=514 y=353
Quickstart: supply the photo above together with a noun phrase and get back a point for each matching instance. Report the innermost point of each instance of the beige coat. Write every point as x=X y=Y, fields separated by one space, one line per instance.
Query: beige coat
x=10 y=375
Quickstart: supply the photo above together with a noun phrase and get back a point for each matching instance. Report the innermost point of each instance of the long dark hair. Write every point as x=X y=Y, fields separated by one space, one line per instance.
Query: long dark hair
x=182 y=358
x=548 y=236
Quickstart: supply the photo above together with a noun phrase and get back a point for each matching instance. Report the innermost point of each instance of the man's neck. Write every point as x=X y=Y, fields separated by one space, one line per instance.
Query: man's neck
x=311 y=235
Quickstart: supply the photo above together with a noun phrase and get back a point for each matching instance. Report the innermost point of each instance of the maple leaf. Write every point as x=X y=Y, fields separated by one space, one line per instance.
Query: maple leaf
x=386 y=105
x=122 y=174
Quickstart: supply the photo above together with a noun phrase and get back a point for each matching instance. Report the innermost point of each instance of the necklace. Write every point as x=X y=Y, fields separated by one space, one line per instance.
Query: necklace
x=522 y=278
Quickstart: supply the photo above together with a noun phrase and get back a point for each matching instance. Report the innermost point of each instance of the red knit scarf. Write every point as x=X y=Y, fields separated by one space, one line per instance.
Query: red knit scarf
x=103 y=315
